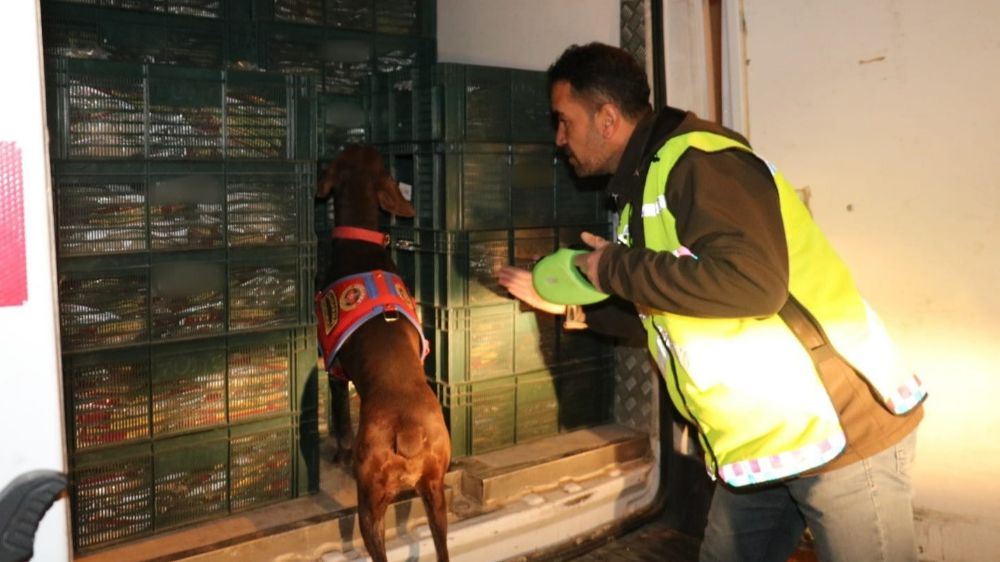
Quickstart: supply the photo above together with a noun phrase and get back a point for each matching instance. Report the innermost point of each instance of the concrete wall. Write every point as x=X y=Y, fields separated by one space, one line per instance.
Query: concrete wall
x=888 y=111
x=521 y=33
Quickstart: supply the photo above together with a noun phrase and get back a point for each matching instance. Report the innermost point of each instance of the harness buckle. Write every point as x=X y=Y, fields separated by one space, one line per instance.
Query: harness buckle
x=390 y=315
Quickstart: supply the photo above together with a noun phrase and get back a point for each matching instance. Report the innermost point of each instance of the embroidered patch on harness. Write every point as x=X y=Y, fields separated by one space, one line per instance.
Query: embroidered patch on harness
x=352 y=296
x=403 y=293
x=330 y=311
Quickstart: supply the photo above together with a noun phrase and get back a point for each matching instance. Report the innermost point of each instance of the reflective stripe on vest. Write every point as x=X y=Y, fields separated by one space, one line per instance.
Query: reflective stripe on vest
x=732 y=376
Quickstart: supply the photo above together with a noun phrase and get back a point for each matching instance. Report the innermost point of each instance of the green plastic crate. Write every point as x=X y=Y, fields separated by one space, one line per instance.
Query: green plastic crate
x=324 y=259
x=533 y=198
x=323 y=404
x=200 y=8
x=89 y=32
x=188 y=387
x=393 y=53
x=536 y=341
x=475 y=186
x=531 y=111
x=341 y=14
x=133 y=491
x=579 y=200
x=461 y=103
x=109 y=110
x=271 y=288
x=483 y=342
x=323 y=219
x=104 y=304
x=190 y=479
x=118 y=301
x=401 y=17
x=343 y=120
x=128 y=207
x=340 y=61
x=469 y=343
x=578 y=395
x=481 y=416
x=111 y=494
x=263 y=375
x=269 y=204
x=452 y=268
x=492 y=414
x=476 y=329
x=108 y=398
x=406 y=17
x=458 y=268
x=262 y=460
x=134 y=395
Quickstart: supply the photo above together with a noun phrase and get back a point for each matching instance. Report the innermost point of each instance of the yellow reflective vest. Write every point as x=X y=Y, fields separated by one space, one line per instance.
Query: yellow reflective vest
x=748 y=384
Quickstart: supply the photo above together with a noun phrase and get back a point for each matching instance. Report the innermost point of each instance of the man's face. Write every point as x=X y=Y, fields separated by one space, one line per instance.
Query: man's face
x=577 y=133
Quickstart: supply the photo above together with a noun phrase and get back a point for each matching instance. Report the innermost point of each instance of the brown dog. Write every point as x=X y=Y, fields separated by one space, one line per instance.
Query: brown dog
x=402 y=441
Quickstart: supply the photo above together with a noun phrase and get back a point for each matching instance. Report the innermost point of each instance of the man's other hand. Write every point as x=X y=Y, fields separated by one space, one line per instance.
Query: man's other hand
x=517 y=281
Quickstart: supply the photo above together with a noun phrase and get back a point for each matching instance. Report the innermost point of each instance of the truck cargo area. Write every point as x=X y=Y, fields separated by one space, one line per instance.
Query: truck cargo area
x=495 y=500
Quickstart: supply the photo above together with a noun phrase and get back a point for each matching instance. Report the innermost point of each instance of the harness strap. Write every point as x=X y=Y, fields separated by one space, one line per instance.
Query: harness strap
x=347 y=303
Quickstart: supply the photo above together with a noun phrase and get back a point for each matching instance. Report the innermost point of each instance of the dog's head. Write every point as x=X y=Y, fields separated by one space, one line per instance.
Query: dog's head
x=357 y=178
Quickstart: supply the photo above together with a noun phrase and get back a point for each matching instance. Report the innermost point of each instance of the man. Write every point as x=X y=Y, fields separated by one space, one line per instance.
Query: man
x=805 y=412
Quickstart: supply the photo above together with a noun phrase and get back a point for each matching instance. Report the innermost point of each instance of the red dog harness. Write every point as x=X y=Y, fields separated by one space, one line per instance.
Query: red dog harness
x=347 y=303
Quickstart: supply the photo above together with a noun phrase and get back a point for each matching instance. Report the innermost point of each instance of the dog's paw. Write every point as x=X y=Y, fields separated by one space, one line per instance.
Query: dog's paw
x=337 y=451
x=329 y=450
x=345 y=450
x=343 y=457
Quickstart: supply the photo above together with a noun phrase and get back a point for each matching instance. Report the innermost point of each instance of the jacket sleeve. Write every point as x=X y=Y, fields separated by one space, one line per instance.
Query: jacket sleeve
x=728 y=215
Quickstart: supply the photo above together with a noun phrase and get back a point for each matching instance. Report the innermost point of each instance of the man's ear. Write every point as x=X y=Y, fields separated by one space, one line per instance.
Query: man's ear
x=391 y=199
x=608 y=118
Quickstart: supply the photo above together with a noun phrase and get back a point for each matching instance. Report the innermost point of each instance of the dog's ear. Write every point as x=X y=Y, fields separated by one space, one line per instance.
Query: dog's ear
x=391 y=199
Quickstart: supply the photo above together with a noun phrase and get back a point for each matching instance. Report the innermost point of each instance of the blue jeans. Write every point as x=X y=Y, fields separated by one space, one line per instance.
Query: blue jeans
x=859 y=513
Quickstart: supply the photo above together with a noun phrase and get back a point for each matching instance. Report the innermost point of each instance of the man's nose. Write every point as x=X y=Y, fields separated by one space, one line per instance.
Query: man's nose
x=560 y=136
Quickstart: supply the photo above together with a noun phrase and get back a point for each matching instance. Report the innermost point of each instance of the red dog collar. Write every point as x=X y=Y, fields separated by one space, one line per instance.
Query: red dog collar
x=363 y=234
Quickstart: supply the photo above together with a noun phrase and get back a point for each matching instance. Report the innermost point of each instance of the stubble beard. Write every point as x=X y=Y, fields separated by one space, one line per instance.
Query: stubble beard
x=584 y=168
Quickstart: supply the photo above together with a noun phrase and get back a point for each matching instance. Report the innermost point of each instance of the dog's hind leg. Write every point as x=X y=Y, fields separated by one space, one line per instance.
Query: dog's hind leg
x=372 y=503
x=431 y=491
x=343 y=431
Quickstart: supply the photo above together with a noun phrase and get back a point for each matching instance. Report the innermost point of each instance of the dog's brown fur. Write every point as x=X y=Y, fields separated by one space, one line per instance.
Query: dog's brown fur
x=402 y=441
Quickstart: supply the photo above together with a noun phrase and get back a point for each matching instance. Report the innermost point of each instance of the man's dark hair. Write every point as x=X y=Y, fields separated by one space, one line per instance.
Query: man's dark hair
x=602 y=73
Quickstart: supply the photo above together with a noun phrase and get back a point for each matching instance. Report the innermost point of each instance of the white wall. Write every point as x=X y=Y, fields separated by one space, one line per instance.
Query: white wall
x=888 y=111
x=527 y=34
x=30 y=389
x=686 y=53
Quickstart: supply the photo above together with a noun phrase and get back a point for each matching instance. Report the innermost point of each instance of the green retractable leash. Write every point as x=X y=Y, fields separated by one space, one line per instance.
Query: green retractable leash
x=559 y=281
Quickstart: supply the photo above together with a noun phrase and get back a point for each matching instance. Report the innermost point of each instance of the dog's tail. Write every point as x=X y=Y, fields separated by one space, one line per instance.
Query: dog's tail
x=410 y=441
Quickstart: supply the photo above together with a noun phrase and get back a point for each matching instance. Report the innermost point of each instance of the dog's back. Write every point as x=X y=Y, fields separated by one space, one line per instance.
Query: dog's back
x=402 y=441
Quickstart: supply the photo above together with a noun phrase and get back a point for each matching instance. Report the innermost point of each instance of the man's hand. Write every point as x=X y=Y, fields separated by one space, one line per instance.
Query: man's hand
x=518 y=282
x=588 y=262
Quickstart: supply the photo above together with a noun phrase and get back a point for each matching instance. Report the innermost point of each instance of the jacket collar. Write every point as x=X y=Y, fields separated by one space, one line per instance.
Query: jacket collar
x=649 y=135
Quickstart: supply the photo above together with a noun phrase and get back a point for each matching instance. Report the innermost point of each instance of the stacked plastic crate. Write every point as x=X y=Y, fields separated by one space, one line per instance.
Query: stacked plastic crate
x=339 y=43
x=475 y=144
x=186 y=256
